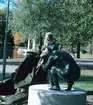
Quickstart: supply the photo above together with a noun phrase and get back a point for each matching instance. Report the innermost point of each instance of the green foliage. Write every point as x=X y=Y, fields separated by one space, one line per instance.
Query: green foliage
x=2 y=25
x=70 y=21
x=83 y=51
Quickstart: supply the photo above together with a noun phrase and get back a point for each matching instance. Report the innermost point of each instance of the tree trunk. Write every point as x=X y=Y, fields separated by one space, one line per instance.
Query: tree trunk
x=72 y=50
x=90 y=47
x=40 y=45
x=34 y=44
x=78 y=50
x=28 y=44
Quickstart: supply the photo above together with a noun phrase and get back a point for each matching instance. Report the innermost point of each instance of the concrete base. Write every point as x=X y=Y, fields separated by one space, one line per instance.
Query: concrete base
x=41 y=95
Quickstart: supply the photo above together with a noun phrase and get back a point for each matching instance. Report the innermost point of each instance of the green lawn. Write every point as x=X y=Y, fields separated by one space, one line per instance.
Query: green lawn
x=85 y=82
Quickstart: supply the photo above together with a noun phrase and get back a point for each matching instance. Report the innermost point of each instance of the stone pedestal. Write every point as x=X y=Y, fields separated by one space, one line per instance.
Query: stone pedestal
x=41 y=95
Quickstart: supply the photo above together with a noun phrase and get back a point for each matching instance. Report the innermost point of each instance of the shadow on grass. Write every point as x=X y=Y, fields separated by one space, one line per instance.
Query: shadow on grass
x=89 y=79
x=86 y=78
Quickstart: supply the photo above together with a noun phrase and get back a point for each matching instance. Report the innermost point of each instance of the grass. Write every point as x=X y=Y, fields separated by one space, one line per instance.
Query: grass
x=85 y=82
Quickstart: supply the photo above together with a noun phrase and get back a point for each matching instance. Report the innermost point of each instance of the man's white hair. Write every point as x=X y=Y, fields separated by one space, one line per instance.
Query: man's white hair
x=48 y=33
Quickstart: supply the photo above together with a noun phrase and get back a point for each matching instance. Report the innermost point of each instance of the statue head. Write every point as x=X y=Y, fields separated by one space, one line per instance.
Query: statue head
x=49 y=37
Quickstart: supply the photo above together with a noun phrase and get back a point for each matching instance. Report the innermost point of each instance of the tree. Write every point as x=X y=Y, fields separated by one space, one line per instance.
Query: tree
x=70 y=21
x=2 y=24
x=17 y=38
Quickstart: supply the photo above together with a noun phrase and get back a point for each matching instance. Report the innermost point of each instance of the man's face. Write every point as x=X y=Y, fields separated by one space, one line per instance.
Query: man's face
x=47 y=38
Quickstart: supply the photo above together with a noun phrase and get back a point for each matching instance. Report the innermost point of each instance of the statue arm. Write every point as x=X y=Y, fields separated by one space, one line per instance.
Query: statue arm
x=51 y=61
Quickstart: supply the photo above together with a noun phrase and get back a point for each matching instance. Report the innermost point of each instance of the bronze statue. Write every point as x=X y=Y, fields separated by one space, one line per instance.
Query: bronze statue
x=61 y=65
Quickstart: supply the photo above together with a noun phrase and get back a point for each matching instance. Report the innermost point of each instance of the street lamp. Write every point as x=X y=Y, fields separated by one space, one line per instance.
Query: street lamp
x=5 y=41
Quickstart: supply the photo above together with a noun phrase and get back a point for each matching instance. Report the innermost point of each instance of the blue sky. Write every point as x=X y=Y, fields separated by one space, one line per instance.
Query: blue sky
x=2 y=5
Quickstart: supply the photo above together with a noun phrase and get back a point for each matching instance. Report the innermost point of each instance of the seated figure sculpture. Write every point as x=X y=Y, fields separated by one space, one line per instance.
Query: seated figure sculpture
x=49 y=46
x=31 y=64
x=36 y=62
x=61 y=65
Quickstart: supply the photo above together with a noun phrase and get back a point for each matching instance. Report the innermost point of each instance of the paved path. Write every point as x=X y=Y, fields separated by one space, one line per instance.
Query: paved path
x=85 y=63
x=89 y=100
x=11 y=65
x=9 y=69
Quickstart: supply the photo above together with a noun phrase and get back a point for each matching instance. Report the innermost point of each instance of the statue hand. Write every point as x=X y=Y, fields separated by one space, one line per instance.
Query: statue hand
x=44 y=67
